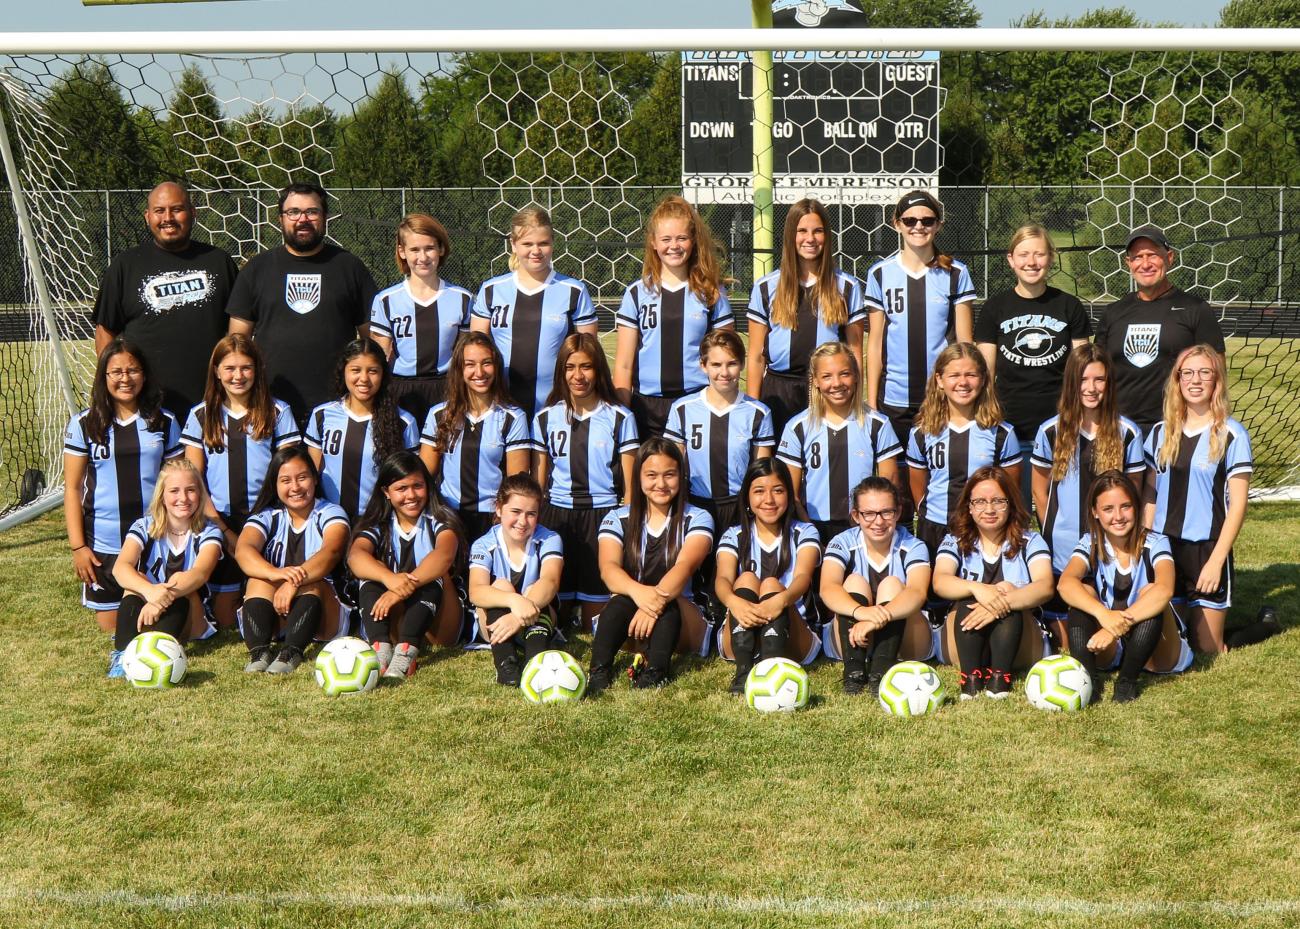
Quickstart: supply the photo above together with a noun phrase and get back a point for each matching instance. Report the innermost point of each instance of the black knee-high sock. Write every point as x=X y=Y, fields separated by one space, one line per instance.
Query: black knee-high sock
x=259 y=623
x=743 y=644
x=534 y=640
x=376 y=630
x=885 y=643
x=1079 y=628
x=174 y=620
x=303 y=621
x=855 y=658
x=505 y=651
x=1254 y=633
x=421 y=608
x=128 y=614
x=773 y=637
x=1004 y=641
x=1139 y=645
x=663 y=638
x=972 y=644
x=611 y=632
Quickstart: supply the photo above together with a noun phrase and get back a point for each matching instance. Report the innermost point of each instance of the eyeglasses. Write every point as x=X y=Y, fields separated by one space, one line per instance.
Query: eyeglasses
x=124 y=374
x=929 y=222
x=993 y=503
x=870 y=516
x=1203 y=374
x=312 y=212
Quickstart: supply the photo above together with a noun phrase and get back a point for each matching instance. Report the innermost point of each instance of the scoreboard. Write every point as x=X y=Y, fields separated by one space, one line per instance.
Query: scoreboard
x=847 y=127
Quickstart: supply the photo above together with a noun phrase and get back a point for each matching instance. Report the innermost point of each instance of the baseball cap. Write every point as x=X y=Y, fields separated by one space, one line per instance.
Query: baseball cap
x=1153 y=233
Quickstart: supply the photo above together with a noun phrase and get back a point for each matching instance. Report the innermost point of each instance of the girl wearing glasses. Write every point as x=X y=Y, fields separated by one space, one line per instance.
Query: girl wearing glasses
x=994 y=569
x=1200 y=463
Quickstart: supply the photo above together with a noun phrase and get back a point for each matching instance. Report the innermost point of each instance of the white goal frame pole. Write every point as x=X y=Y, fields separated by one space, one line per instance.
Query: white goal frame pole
x=652 y=40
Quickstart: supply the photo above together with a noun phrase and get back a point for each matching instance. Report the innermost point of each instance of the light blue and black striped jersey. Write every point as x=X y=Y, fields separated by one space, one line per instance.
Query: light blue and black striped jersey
x=584 y=451
x=159 y=559
x=346 y=443
x=1067 y=499
x=423 y=334
x=470 y=474
x=490 y=554
x=671 y=323
x=1192 y=492
x=401 y=552
x=720 y=444
x=788 y=349
x=529 y=326
x=952 y=456
x=282 y=544
x=1118 y=589
x=121 y=475
x=835 y=458
x=655 y=548
x=919 y=317
x=906 y=551
x=764 y=561
x=235 y=472
x=976 y=567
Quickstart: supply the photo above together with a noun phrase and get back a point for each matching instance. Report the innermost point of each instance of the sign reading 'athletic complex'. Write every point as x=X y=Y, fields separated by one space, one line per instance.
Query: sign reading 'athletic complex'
x=847 y=127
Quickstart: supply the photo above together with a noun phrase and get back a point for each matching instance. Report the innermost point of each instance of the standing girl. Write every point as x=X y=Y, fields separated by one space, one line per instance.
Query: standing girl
x=111 y=456
x=166 y=559
x=529 y=310
x=766 y=564
x=229 y=439
x=348 y=437
x=514 y=578
x=584 y=445
x=836 y=442
x=806 y=303
x=402 y=550
x=476 y=438
x=288 y=549
x=649 y=550
x=664 y=315
x=417 y=320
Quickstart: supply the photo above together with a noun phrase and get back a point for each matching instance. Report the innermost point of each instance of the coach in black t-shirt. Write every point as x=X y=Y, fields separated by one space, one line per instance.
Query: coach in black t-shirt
x=302 y=302
x=1144 y=331
x=168 y=296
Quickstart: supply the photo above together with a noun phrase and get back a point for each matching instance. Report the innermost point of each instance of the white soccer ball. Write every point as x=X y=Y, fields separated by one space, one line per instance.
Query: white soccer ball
x=777 y=685
x=154 y=661
x=911 y=688
x=553 y=676
x=347 y=666
x=1057 y=683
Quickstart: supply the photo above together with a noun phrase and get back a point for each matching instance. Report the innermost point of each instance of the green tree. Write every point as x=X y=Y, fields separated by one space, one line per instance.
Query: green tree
x=383 y=143
x=921 y=14
x=200 y=134
x=103 y=139
x=1268 y=141
x=654 y=134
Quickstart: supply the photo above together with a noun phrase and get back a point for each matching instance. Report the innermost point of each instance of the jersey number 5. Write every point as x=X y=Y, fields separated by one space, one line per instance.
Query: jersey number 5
x=697 y=436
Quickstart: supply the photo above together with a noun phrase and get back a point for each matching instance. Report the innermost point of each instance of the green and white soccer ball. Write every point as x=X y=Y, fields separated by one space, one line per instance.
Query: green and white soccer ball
x=911 y=688
x=1058 y=683
x=154 y=661
x=553 y=676
x=777 y=685
x=347 y=666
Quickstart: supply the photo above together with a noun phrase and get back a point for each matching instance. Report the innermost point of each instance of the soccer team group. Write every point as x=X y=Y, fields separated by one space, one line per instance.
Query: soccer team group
x=290 y=451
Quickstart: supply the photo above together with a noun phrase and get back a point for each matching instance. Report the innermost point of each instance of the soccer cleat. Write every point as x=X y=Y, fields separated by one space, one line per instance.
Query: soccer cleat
x=402 y=663
x=286 y=662
x=1126 y=691
x=650 y=678
x=873 y=683
x=598 y=679
x=971 y=684
x=384 y=652
x=855 y=682
x=508 y=672
x=115 y=669
x=999 y=684
x=259 y=659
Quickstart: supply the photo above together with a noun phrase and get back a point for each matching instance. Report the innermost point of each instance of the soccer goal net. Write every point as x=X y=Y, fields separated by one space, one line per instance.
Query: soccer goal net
x=1090 y=143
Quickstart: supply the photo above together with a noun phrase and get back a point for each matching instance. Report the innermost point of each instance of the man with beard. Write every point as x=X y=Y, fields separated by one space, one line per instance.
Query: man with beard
x=302 y=302
x=168 y=296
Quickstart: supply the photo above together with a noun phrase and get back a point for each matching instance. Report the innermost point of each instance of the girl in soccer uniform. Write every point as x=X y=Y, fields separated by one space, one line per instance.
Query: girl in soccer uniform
x=584 y=444
x=806 y=303
x=664 y=315
x=166 y=559
x=348 y=437
x=836 y=442
x=289 y=547
x=417 y=320
x=402 y=550
x=475 y=438
x=112 y=452
x=514 y=578
x=875 y=578
x=765 y=571
x=649 y=550
x=230 y=438
x=1118 y=583
x=1086 y=437
x=529 y=311
x=1200 y=466
x=995 y=570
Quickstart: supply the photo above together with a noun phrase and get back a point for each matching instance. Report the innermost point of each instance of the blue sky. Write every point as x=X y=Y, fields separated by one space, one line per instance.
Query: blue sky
x=71 y=15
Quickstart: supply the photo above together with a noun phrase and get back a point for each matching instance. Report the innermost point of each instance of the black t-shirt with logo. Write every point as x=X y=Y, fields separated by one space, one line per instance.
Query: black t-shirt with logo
x=1144 y=338
x=1033 y=339
x=171 y=304
x=303 y=310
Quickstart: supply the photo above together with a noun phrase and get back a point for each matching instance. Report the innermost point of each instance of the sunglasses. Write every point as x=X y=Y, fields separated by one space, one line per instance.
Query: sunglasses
x=927 y=222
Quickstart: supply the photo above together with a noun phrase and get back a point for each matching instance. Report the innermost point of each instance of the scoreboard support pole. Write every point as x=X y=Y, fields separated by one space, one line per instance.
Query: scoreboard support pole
x=764 y=257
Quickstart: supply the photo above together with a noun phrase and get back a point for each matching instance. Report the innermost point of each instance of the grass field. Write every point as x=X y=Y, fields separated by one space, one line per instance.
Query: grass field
x=449 y=802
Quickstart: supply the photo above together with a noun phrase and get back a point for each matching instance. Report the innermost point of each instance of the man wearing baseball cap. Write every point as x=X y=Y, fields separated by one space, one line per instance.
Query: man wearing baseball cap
x=1145 y=330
